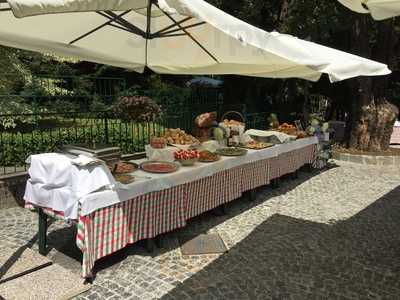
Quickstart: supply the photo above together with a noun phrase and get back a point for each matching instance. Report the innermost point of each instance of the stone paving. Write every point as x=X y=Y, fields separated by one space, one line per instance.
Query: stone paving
x=328 y=235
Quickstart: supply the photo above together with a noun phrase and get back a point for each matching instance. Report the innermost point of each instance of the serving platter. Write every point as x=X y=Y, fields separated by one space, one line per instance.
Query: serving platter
x=124 y=178
x=232 y=151
x=124 y=167
x=159 y=167
x=257 y=146
x=208 y=157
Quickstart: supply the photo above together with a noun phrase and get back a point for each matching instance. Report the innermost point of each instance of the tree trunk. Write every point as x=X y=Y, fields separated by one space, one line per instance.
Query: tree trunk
x=373 y=124
x=373 y=116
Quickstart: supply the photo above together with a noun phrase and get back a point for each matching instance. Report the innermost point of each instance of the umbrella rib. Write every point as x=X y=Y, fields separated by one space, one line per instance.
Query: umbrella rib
x=187 y=33
x=178 y=29
x=171 y=26
x=96 y=29
x=171 y=35
x=121 y=27
x=365 y=5
x=121 y=21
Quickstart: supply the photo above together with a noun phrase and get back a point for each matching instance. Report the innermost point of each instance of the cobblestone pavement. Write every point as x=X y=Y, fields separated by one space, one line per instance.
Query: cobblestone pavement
x=329 y=235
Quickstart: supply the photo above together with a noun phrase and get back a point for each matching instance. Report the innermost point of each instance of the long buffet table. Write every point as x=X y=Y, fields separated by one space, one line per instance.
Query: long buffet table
x=109 y=220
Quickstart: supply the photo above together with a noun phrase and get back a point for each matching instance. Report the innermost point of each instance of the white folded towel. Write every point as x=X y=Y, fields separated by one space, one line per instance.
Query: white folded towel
x=52 y=169
x=59 y=199
x=58 y=182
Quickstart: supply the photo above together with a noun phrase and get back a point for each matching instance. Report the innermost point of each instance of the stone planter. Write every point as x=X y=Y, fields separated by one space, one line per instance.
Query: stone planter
x=393 y=161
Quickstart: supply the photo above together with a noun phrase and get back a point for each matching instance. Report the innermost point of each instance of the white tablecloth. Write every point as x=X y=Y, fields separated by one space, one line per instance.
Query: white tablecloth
x=57 y=184
x=167 y=153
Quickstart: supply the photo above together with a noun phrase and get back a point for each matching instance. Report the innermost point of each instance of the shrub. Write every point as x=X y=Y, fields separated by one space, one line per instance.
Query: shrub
x=137 y=109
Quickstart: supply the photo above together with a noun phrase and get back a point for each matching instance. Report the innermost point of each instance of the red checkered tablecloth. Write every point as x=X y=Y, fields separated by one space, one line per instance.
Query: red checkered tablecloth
x=213 y=191
x=290 y=162
x=59 y=215
x=255 y=174
x=110 y=229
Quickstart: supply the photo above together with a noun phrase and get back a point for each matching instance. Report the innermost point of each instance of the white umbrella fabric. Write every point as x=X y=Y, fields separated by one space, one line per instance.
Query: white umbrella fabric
x=379 y=9
x=170 y=37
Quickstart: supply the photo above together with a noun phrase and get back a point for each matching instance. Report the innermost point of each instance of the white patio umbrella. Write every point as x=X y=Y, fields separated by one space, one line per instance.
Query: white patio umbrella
x=170 y=36
x=379 y=9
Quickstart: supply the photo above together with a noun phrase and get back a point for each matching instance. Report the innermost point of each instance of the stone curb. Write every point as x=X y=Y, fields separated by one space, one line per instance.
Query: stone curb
x=389 y=161
x=12 y=189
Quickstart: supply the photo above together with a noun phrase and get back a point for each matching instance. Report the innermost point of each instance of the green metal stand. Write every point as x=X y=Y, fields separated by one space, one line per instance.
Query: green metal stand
x=275 y=183
x=42 y=232
x=252 y=195
x=149 y=245
x=158 y=241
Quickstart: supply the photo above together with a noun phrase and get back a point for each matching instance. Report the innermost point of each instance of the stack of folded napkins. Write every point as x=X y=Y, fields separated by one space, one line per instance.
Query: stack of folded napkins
x=59 y=182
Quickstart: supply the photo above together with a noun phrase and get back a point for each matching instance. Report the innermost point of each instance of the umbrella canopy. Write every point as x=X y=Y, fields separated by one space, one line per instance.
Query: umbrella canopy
x=379 y=9
x=170 y=36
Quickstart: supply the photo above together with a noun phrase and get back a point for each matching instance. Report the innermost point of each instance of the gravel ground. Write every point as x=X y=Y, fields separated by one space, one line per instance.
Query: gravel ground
x=328 y=235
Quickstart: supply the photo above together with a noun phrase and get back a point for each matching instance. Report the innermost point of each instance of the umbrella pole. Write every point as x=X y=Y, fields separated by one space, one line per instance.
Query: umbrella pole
x=148 y=28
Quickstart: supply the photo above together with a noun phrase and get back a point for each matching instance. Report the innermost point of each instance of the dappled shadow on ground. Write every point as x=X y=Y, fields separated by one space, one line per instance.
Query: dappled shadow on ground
x=204 y=222
x=288 y=258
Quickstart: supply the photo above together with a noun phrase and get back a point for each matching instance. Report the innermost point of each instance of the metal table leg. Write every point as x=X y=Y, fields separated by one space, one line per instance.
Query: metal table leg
x=158 y=241
x=275 y=183
x=309 y=168
x=220 y=210
x=252 y=195
x=149 y=245
x=42 y=232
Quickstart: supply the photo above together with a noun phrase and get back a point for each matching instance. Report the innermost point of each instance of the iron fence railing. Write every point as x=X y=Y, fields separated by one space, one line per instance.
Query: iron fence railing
x=256 y=120
x=43 y=132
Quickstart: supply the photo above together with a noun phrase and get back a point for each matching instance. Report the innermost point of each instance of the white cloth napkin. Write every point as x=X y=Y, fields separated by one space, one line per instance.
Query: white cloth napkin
x=164 y=154
x=52 y=169
x=61 y=199
x=245 y=139
x=90 y=179
x=211 y=146
x=55 y=182
x=272 y=136
x=83 y=160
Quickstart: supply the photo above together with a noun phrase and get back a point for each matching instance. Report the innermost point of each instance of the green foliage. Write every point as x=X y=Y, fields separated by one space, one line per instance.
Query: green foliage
x=11 y=65
x=13 y=108
x=137 y=109
x=172 y=98
x=98 y=105
x=62 y=106
x=15 y=147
